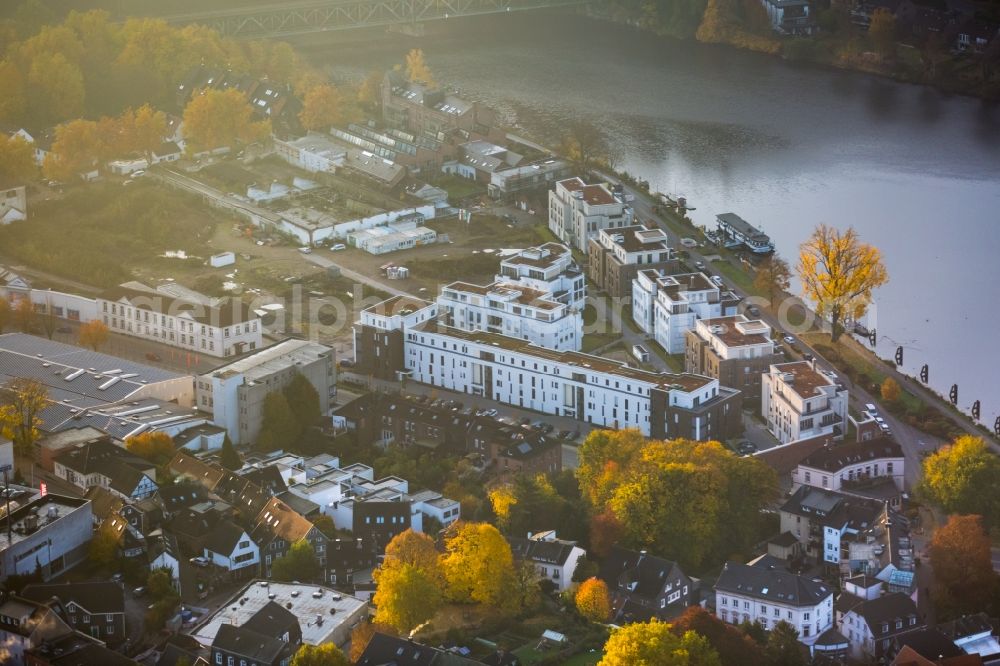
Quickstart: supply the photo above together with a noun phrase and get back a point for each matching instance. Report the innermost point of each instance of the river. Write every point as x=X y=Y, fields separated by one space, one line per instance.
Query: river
x=916 y=172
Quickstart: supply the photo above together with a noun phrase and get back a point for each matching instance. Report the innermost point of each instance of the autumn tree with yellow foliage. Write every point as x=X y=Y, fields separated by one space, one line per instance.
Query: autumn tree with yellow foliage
x=653 y=644
x=217 y=118
x=696 y=502
x=890 y=390
x=593 y=601
x=21 y=402
x=964 y=477
x=93 y=334
x=478 y=564
x=417 y=70
x=839 y=274
x=324 y=106
x=410 y=583
x=502 y=500
x=155 y=446
x=17 y=158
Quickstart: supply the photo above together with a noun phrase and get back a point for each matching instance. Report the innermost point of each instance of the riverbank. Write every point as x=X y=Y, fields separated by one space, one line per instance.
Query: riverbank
x=851 y=50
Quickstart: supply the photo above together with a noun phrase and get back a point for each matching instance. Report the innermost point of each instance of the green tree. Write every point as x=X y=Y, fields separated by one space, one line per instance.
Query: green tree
x=653 y=644
x=298 y=564
x=593 y=601
x=103 y=548
x=783 y=647
x=160 y=584
x=325 y=524
x=303 y=400
x=478 y=564
x=964 y=477
x=839 y=273
x=279 y=428
x=405 y=596
x=773 y=277
x=964 y=579
x=21 y=402
x=585 y=145
x=327 y=654
x=228 y=456
x=13 y=103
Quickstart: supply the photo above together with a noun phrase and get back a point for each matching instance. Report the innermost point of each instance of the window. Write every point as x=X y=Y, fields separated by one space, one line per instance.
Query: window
x=218 y=657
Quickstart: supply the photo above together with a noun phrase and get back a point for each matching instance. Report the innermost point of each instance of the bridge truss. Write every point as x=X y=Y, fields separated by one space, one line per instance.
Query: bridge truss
x=299 y=18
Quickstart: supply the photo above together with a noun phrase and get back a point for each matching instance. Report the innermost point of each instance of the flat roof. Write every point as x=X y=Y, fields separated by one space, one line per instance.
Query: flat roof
x=398 y=305
x=637 y=238
x=664 y=380
x=733 y=331
x=273 y=359
x=38 y=511
x=504 y=291
x=296 y=598
x=805 y=380
x=541 y=256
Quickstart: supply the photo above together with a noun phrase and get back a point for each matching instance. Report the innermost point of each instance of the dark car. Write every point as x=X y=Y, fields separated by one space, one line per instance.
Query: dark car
x=746 y=448
x=64 y=329
x=565 y=434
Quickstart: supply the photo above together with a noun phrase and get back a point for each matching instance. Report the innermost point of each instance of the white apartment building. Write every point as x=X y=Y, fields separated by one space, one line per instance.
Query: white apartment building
x=514 y=311
x=578 y=211
x=234 y=393
x=800 y=402
x=314 y=152
x=765 y=591
x=838 y=467
x=667 y=306
x=227 y=329
x=400 y=337
x=549 y=267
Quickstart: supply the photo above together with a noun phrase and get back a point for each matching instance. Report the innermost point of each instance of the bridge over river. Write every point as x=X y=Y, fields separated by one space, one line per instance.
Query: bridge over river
x=309 y=16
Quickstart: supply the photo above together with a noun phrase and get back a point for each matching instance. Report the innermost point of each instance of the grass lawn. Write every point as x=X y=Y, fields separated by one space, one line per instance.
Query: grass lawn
x=592 y=341
x=736 y=276
x=459 y=188
x=674 y=361
x=584 y=659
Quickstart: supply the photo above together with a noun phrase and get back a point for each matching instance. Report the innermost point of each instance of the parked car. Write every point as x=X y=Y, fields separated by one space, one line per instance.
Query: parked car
x=305 y=249
x=718 y=281
x=789 y=339
x=490 y=412
x=871 y=409
x=336 y=247
x=199 y=561
x=346 y=363
x=117 y=578
x=746 y=448
x=700 y=265
x=139 y=591
x=138 y=174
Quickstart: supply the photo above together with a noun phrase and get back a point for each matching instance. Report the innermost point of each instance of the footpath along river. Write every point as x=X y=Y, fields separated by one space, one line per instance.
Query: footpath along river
x=917 y=173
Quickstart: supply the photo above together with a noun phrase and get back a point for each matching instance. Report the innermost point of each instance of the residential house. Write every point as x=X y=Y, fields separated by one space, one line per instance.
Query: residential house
x=800 y=401
x=314 y=152
x=102 y=463
x=765 y=591
x=644 y=586
x=974 y=634
x=549 y=268
x=872 y=623
x=26 y=624
x=826 y=523
x=164 y=553
x=790 y=17
x=554 y=559
x=735 y=350
x=868 y=468
x=578 y=212
x=234 y=393
x=616 y=256
x=231 y=548
x=96 y=609
x=927 y=647
x=13 y=202
x=383 y=649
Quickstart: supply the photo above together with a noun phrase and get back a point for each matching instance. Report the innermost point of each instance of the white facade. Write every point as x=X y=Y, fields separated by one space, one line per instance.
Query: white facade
x=549 y=267
x=13 y=204
x=230 y=329
x=512 y=310
x=640 y=246
x=667 y=306
x=852 y=470
x=749 y=338
x=578 y=212
x=314 y=152
x=800 y=402
x=809 y=621
x=144 y=488
x=245 y=553
x=49 y=534
x=403 y=234
x=234 y=394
